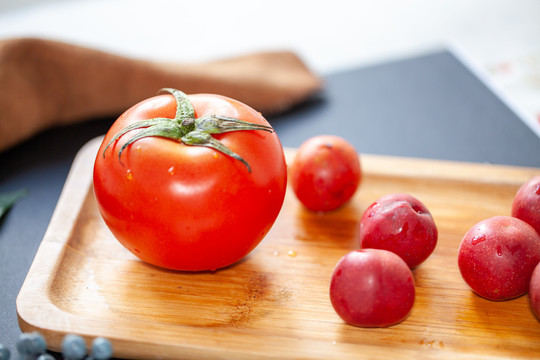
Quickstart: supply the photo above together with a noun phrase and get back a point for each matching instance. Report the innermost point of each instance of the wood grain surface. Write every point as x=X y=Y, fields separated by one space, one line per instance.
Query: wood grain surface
x=274 y=304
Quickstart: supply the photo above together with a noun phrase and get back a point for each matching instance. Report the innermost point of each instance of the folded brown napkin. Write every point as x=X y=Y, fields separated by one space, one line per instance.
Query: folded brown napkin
x=45 y=83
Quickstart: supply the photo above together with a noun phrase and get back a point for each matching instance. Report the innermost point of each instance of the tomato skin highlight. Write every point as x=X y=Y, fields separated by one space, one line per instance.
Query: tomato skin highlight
x=325 y=173
x=186 y=207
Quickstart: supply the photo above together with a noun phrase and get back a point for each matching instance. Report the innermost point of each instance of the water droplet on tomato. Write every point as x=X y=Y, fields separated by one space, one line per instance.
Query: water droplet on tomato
x=292 y=253
x=478 y=239
x=171 y=170
x=129 y=175
x=499 y=251
x=537 y=189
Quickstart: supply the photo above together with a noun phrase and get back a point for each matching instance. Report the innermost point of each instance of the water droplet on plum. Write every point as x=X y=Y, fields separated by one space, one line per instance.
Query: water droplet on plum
x=404 y=228
x=478 y=239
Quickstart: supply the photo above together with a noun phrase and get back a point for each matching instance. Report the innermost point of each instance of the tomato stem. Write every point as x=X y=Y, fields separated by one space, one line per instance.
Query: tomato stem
x=184 y=127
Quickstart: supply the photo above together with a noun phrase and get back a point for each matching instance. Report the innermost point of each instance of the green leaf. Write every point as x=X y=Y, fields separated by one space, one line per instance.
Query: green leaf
x=9 y=199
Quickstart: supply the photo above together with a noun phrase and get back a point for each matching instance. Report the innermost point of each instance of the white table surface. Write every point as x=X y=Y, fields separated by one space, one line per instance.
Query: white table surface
x=501 y=37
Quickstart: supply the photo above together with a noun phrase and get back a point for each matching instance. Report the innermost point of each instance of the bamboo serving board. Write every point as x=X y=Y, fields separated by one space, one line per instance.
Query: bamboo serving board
x=275 y=302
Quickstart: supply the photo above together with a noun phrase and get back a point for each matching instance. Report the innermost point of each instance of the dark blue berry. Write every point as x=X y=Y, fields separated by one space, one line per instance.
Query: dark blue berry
x=4 y=353
x=31 y=344
x=101 y=349
x=73 y=347
x=45 y=357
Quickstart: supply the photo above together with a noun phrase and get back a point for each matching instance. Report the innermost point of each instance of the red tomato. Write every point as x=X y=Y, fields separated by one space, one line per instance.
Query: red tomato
x=325 y=173
x=190 y=207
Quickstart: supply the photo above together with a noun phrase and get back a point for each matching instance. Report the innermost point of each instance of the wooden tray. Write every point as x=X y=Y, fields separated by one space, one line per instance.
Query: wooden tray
x=275 y=303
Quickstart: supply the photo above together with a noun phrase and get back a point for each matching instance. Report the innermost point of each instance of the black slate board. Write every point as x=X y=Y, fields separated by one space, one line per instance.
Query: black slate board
x=430 y=106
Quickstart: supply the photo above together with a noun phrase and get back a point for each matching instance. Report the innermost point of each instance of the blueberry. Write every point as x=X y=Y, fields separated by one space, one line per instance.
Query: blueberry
x=73 y=347
x=101 y=349
x=31 y=344
x=4 y=353
x=45 y=357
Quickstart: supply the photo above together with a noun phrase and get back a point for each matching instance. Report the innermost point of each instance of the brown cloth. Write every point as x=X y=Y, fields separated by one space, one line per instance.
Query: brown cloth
x=44 y=83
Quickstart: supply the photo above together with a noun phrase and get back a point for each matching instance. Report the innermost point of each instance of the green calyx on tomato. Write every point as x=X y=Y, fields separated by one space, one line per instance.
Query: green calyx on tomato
x=186 y=128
